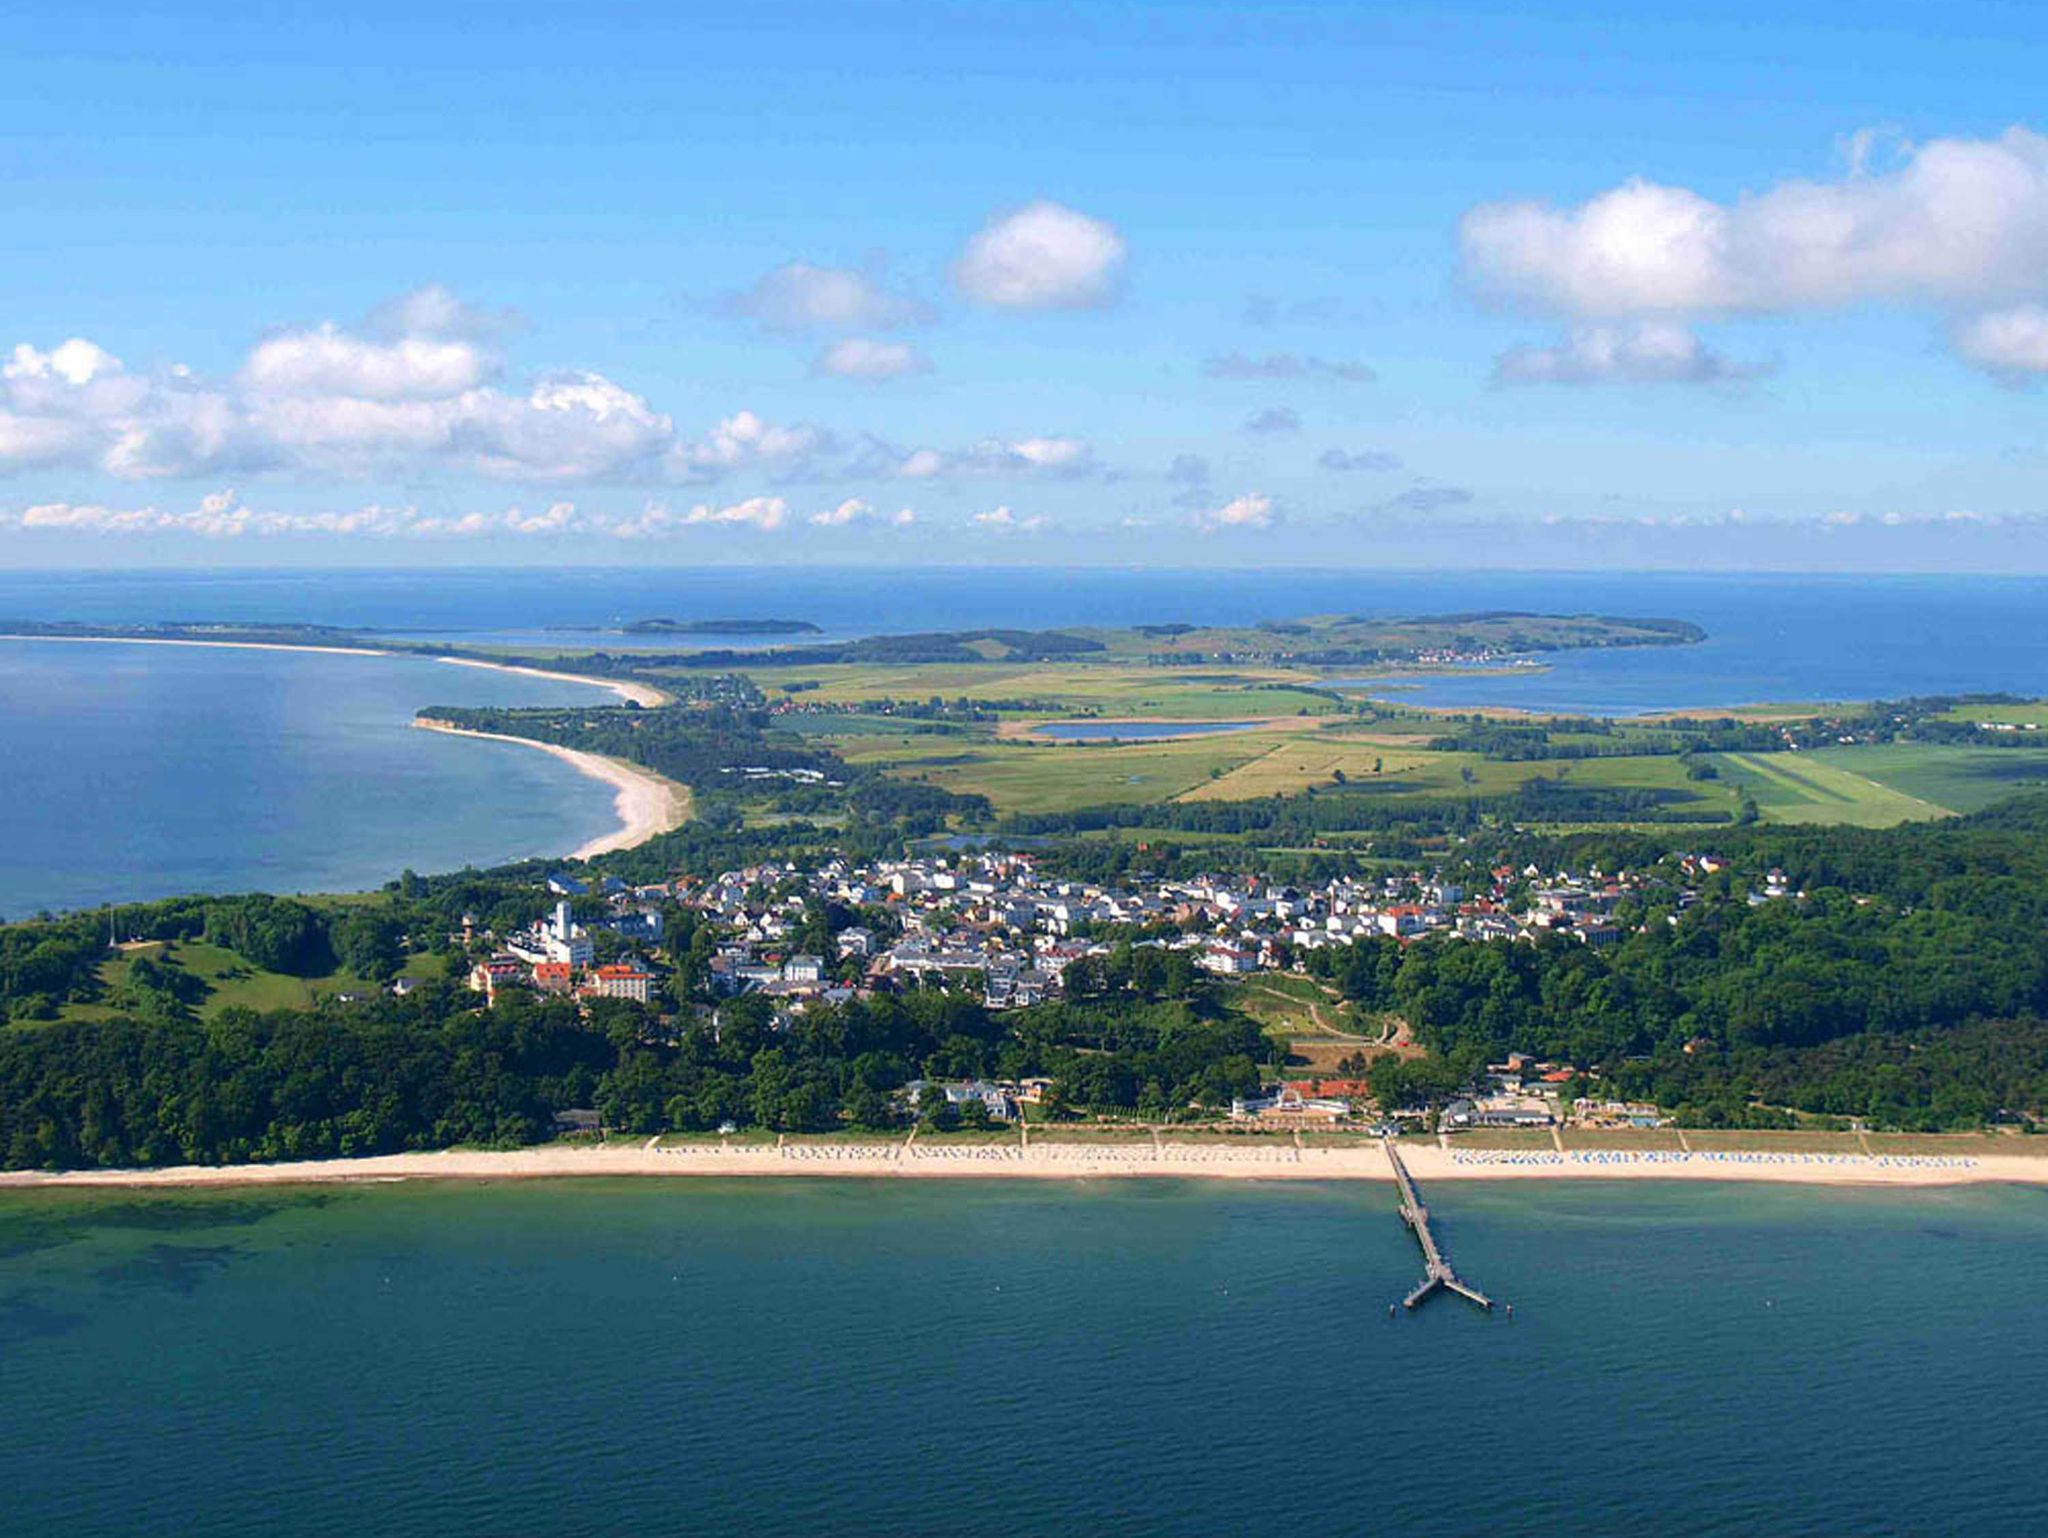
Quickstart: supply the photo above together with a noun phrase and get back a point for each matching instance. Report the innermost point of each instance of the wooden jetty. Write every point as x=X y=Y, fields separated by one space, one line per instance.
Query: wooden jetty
x=1437 y=1272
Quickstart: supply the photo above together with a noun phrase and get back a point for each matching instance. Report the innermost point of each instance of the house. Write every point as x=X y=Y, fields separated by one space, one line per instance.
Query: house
x=1000 y=1101
x=553 y=976
x=1227 y=960
x=803 y=969
x=856 y=941
x=487 y=977
x=1467 y=1114
x=620 y=981
x=564 y=885
x=1288 y=1106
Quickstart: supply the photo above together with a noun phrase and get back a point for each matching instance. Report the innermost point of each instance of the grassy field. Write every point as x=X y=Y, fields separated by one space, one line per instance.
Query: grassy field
x=1774 y=1142
x=1963 y=779
x=1027 y=777
x=1505 y=1137
x=1805 y=787
x=1958 y=1144
x=1022 y=776
x=1104 y=689
x=1296 y=761
x=2030 y=713
x=1661 y=1139
x=233 y=983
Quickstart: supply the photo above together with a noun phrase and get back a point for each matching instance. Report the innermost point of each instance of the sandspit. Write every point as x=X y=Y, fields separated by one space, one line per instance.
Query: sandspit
x=238 y=646
x=625 y=689
x=646 y=803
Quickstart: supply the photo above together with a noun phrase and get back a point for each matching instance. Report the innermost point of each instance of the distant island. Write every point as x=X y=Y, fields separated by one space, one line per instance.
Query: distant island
x=721 y=627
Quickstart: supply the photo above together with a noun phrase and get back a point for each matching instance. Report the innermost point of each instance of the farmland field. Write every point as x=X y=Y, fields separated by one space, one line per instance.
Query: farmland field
x=1963 y=779
x=1805 y=787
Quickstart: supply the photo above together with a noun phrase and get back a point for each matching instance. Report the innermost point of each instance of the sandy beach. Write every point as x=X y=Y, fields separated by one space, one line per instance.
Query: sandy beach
x=625 y=689
x=1276 y=1159
x=237 y=646
x=646 y=803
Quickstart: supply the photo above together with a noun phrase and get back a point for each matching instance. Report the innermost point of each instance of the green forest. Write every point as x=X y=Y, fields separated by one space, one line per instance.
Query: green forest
x=1903 y=981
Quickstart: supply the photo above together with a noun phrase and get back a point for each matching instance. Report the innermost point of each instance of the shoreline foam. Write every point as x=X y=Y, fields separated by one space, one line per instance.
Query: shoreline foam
x=1274 y=1161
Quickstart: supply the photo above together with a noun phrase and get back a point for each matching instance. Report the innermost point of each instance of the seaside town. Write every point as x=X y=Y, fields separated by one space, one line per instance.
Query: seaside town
x=994 y=925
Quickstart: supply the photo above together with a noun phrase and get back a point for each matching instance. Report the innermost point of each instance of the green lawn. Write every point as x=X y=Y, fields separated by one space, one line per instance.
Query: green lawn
x=234 y=984
x=1024 y=777
x=1960 y=778
x=1807 y=787
x=1111 y=690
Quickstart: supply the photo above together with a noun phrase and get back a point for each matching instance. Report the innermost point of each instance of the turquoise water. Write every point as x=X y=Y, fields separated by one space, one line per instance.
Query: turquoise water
x=1145 y=1358
x=144 y=771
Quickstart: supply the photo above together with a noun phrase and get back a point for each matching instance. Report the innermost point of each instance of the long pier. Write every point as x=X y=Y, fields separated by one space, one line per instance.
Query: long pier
x=1437 y=1272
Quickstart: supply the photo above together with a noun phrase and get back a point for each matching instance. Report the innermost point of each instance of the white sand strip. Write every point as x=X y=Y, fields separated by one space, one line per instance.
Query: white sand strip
x=646 y=803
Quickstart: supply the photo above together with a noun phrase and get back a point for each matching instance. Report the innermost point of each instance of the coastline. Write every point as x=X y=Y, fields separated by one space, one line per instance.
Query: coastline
x=637 y=693
x=906 y=1159
x=646 y=803
x=244 y=646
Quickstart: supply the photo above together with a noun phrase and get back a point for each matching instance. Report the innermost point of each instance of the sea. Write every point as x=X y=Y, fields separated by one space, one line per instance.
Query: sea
x=1137 y=1357
x=899 y=1358
x=135 y=772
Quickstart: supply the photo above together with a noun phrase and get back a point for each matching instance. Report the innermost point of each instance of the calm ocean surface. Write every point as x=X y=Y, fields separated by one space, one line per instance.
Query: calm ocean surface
x=1146 y=1358
x=138 y=771
x=143 y=771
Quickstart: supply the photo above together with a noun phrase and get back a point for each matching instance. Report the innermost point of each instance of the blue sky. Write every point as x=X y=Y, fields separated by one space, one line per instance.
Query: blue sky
x=1542 y=284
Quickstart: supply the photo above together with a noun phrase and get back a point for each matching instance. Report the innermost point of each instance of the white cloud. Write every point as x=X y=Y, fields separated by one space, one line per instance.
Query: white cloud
x=1050 y=453
x=801 y=297
x=1002 y=520
x=1285 y=366
x=2010 y=343
x=1253 y=510
x=433 y=311
x=746 y=440
x=326 y=361
x=1064 y=457
x=75 y=362
x=765 y=513
x=859 y=357
x=219 y=515
x=1645 y=352
x=1956 y=222
x=1043 y=256
x=333 y=403
x=854 y=512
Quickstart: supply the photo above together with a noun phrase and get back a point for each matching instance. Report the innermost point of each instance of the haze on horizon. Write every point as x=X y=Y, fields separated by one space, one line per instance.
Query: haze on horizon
x=1548 y=285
